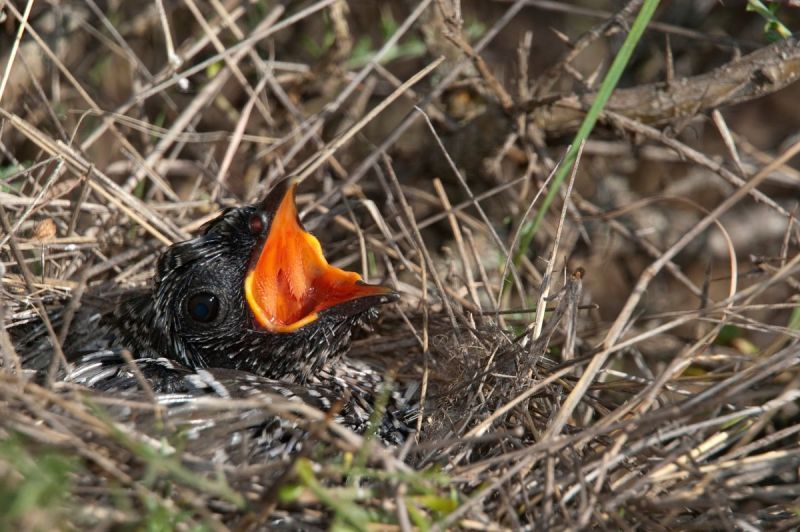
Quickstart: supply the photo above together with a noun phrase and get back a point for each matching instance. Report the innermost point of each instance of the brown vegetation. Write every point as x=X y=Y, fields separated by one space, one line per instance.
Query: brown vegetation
x=655 y=388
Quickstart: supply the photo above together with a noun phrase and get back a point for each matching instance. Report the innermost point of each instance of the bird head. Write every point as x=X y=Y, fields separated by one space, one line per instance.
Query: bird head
x=255 y=292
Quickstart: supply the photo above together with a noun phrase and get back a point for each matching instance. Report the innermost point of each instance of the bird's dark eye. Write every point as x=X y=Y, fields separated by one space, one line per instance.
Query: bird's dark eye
x=203 y=307
x=256 y=224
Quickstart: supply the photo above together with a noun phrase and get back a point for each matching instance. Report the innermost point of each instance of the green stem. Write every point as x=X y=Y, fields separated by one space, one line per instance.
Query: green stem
x=603 y=94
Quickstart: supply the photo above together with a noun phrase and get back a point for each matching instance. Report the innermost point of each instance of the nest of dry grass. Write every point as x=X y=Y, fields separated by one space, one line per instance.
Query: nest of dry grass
x=636 y=368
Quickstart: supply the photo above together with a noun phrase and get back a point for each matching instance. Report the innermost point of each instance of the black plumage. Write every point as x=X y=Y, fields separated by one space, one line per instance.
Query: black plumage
x=350 y=389
x=195 y=332
x=159 y=323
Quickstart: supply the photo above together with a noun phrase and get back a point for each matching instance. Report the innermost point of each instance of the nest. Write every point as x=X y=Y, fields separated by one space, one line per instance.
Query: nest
x=623 y=366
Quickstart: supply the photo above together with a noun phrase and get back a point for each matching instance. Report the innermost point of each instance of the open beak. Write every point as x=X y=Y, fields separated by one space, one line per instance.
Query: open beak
x=289 y=282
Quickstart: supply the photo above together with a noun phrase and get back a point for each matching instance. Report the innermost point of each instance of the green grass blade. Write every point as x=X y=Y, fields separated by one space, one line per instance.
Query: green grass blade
x=603 y=94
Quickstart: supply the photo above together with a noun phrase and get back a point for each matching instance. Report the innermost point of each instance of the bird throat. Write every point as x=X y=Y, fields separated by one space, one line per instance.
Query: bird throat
x=291 y=281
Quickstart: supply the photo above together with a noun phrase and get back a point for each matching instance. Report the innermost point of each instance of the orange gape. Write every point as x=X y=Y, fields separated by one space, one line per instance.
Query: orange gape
x=292 y=282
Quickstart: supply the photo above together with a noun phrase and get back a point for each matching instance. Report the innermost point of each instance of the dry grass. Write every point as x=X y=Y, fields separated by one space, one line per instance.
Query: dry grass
x=638 y=368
